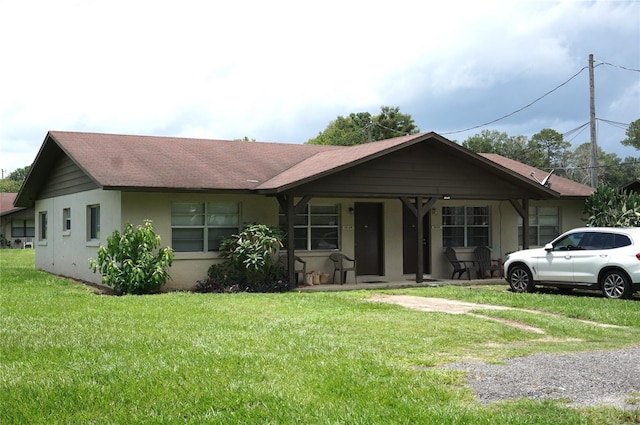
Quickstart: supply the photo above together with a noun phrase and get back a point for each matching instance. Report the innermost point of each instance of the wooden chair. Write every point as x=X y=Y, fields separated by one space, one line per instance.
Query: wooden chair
x=341 y=268
x=461 y=266
x=482 y=255
x=300 y=266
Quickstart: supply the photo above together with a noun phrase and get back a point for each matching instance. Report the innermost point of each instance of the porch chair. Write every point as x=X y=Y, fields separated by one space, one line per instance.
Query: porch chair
x=482 y=255
x=300 y=266
x=340 y=267
x=28 y=243
x=461 y=266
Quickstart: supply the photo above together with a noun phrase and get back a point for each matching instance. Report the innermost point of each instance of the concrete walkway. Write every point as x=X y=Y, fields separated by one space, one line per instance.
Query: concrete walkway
x=350 y=286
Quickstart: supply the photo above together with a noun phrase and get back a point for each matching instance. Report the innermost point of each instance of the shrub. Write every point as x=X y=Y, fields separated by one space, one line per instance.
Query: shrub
x=249 y=263
x=612 y=207
x=128 y=262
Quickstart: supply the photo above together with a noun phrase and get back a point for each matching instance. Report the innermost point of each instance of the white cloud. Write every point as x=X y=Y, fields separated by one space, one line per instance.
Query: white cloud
x=281 y=70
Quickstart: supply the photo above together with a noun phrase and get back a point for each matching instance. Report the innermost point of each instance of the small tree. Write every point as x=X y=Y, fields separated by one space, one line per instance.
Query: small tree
x=612 y=207
x=128 y=262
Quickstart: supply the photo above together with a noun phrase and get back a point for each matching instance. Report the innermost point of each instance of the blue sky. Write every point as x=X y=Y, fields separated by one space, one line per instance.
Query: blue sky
x=280 y=71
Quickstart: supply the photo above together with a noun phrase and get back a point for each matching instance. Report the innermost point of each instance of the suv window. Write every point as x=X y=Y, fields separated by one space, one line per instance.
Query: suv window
x=621 y=240
x=570 y=242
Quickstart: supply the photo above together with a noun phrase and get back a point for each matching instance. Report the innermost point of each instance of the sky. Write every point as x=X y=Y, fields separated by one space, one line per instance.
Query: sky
x=281 y=71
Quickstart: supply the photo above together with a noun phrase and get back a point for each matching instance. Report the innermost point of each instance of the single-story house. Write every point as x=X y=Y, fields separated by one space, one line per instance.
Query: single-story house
x=632 y=186
x=17 y=224
x=394 y=205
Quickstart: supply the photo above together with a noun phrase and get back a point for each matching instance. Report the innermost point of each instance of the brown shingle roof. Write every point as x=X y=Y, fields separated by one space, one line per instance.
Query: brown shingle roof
x=6 y=203
x=180 y=163
x=330 y=160
x=565 y=187
x=171 y=163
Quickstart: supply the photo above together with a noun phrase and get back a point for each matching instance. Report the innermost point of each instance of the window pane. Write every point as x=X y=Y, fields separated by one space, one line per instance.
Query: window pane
x=187 y=240
x=187 y=214
x=223 y=208
x=478 y=236
x=453 y=236
x=216 y=235
x=300 y=238
x=324 y=209
x=324 y=239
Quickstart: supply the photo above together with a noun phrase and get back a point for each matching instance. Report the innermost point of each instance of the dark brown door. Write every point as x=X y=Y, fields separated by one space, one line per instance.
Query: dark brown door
x=369 y=248
x=410 y=242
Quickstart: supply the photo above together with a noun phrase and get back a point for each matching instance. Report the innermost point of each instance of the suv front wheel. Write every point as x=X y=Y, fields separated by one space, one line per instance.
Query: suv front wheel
x=615 y=284
x=520 y=279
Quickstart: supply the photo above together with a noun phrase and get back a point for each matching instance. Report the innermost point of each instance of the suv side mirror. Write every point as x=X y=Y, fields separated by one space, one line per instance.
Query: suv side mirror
x=548 y=247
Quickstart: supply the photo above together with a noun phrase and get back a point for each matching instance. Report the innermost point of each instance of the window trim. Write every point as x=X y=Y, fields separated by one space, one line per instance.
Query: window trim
x=310 y=226
x=93 y=223
x=207 y=213
x=66 y=221
x=43 y=226
x=466 y=226
x=536 y=217
x=25 y=228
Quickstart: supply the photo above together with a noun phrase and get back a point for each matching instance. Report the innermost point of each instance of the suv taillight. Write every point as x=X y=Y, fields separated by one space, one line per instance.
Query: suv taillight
x=638 y=256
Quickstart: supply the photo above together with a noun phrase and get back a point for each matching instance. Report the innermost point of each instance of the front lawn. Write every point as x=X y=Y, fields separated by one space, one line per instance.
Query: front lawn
x=70 y=356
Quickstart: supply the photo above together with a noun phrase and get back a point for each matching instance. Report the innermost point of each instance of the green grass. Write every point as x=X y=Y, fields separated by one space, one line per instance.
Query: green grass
x=70 y=356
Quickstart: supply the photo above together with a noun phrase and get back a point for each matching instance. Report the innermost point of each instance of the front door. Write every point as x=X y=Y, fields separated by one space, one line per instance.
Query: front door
x=369 y=246
x=410 y=242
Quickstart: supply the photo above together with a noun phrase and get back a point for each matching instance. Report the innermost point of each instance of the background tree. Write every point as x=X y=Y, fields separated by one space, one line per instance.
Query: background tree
x=14 y=179
x=550 y=148
x=9 y=186
x=20 y=174
x=612 y=171
x=633 y=135
x=362 y=127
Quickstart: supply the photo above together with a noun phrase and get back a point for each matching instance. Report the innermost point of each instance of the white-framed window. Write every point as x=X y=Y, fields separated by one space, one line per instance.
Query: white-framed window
x=200 y=226
x=23 y=228
x=544 y=225
x=317 y=228
x=464 y=226
x=93 y=222
x=66 y=220
x=42 y=219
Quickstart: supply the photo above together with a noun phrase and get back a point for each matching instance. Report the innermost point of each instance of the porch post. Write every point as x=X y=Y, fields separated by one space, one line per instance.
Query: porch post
x=420 y=230
x=286 y=203
x=523 y=211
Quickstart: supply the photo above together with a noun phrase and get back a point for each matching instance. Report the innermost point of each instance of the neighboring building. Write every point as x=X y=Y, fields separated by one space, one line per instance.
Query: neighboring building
x=632 y=186
x=362 y=200
x=17 y=225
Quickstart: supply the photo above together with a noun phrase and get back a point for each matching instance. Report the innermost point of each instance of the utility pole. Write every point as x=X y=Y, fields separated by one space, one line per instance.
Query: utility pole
x=594 y=144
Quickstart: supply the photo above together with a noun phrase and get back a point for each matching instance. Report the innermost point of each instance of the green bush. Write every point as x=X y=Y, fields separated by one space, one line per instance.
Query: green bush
x=249 y=263
x=128 y=262
x=612 y=207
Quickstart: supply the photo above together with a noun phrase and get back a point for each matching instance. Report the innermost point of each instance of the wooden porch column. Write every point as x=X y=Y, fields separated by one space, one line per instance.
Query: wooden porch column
x=419 y=210
x=287 y=205
x=523 y=211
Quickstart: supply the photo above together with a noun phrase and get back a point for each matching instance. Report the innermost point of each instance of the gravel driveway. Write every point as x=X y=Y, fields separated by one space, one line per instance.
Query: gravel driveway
x=589 y=378
x=586 y=379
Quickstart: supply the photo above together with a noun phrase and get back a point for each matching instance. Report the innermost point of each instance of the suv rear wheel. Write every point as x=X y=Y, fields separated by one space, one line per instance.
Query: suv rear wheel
x=520 y=279
x=615 y=284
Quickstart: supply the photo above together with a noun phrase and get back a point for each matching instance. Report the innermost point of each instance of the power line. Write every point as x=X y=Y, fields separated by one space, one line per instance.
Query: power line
x=521 y=109
x=618 y=66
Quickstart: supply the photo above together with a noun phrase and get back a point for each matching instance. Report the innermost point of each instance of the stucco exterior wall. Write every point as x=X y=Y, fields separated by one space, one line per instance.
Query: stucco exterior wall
x=67 y=253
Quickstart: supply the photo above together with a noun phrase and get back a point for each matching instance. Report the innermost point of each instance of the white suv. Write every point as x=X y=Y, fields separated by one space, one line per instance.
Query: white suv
x=603 y=258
